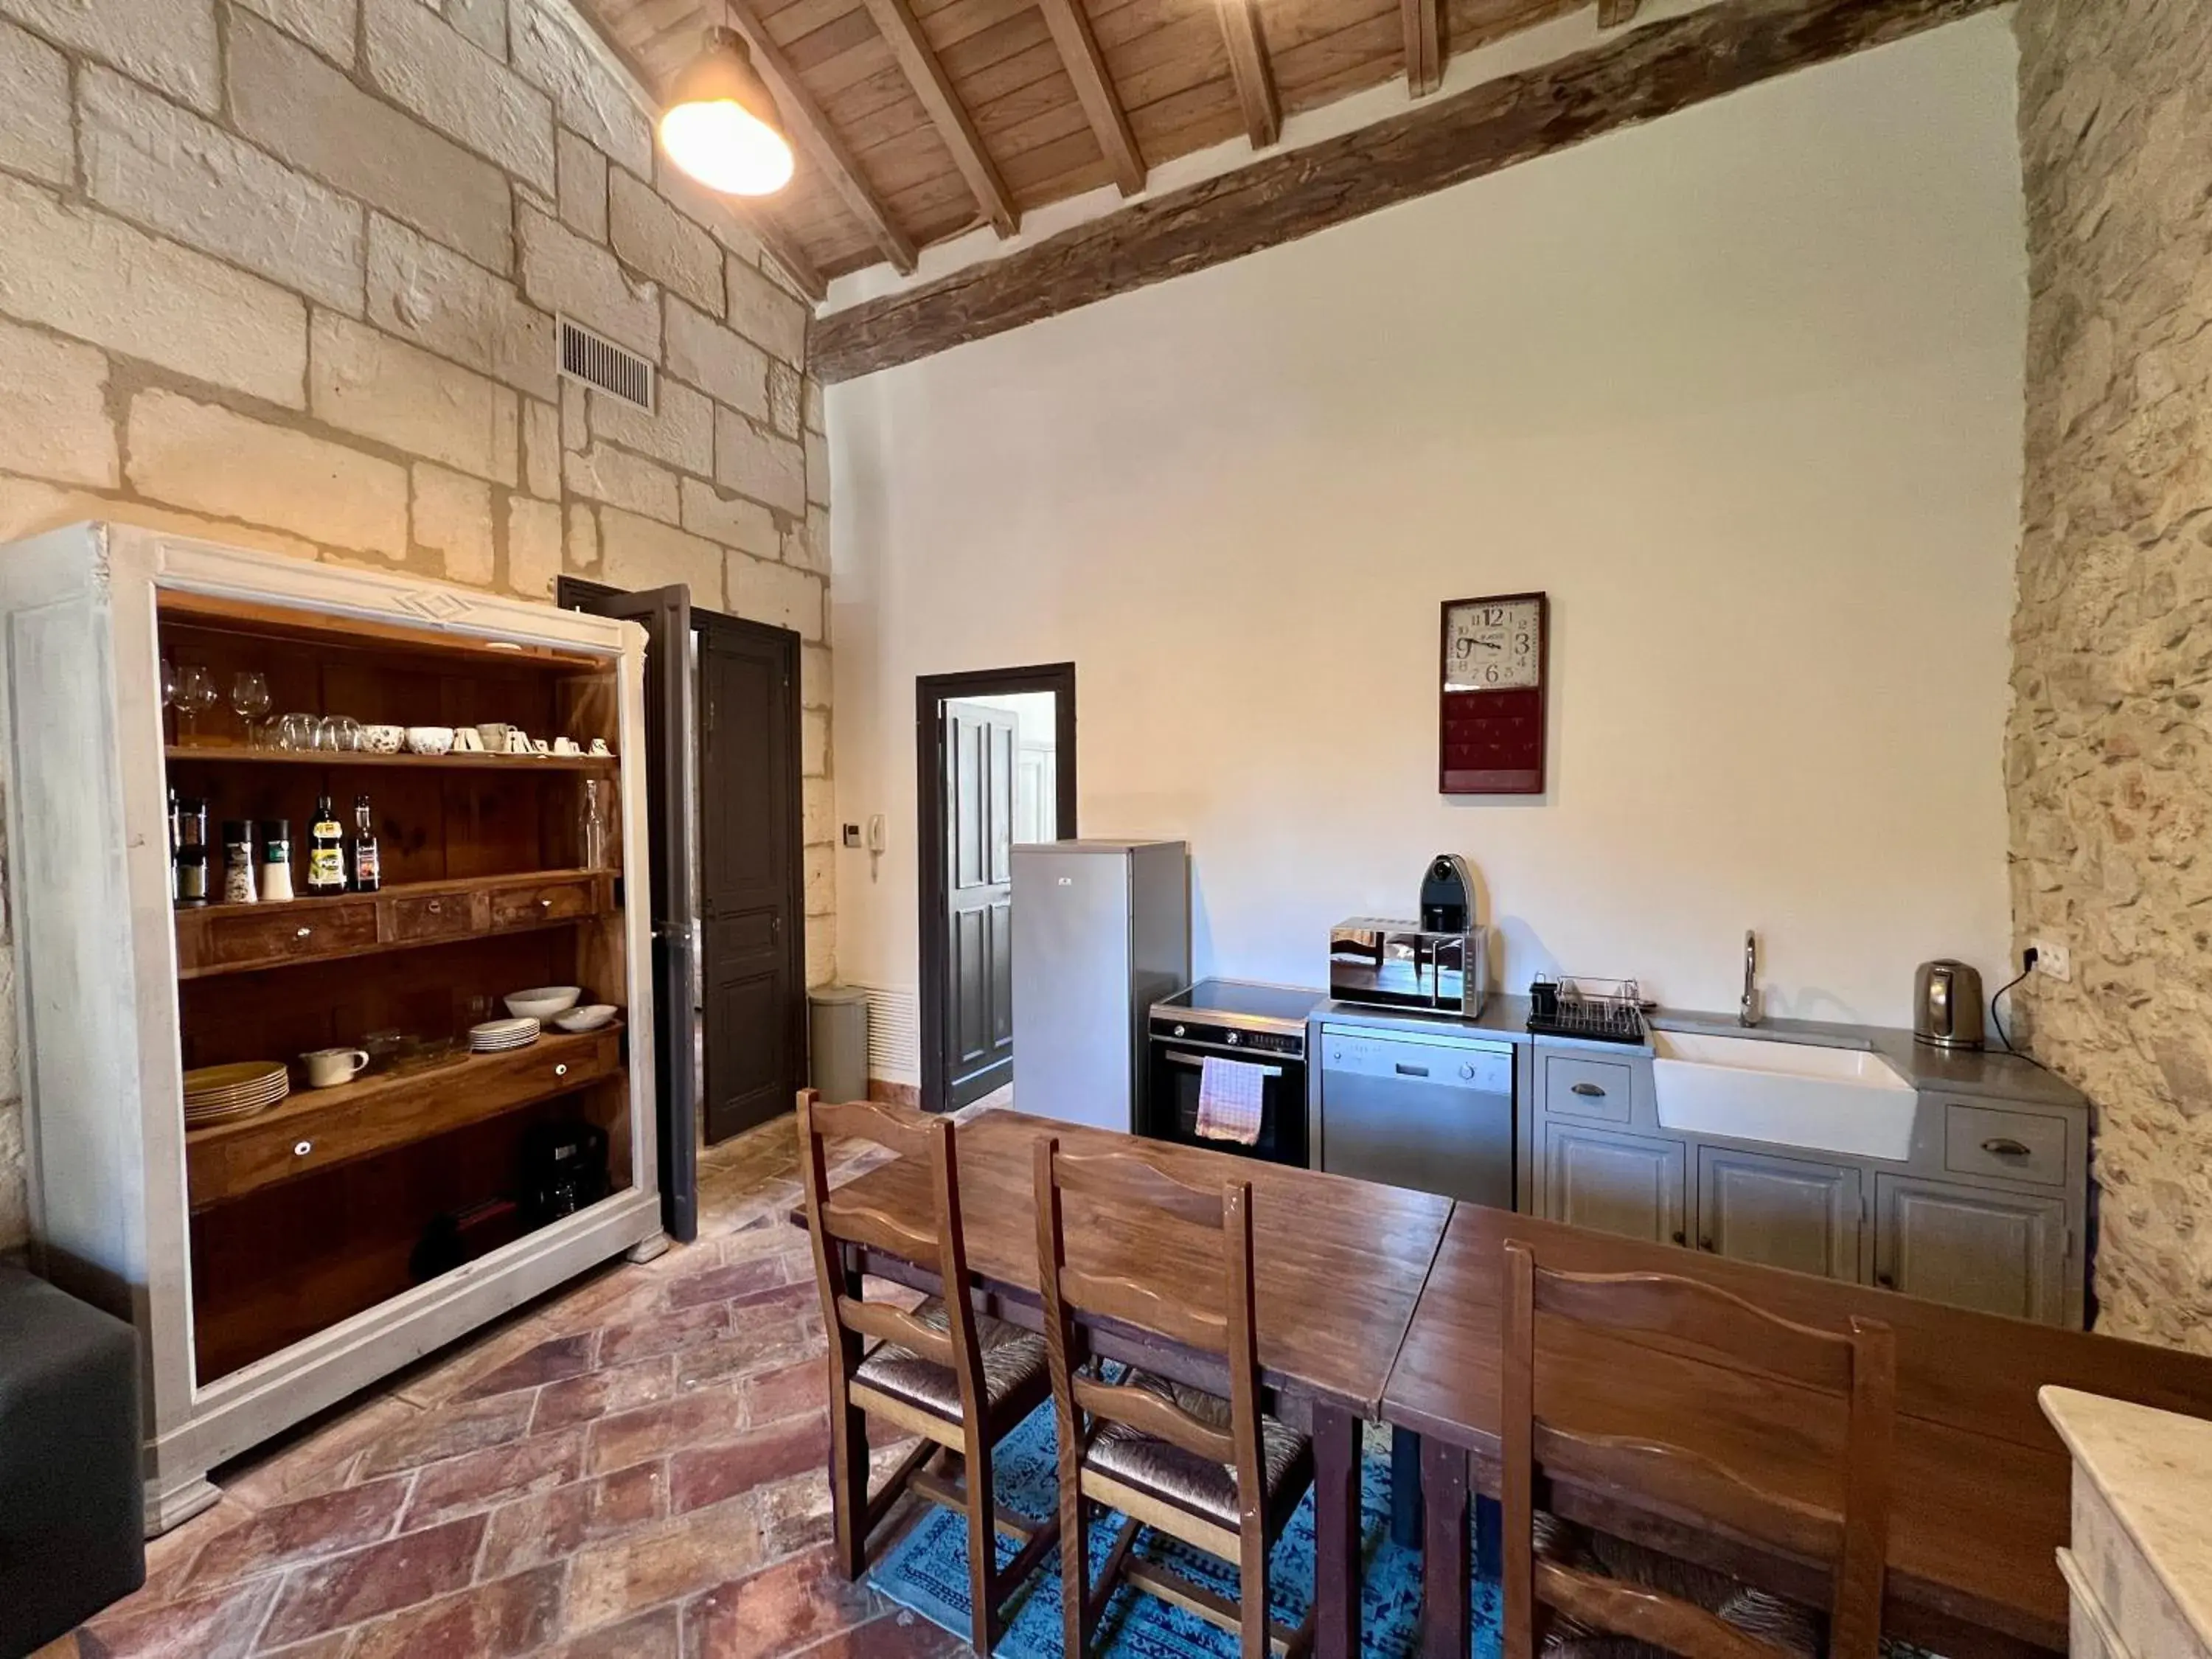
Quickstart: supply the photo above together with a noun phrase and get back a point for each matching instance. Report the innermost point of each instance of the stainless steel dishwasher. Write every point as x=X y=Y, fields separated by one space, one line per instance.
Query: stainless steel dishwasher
x=1431 y=1112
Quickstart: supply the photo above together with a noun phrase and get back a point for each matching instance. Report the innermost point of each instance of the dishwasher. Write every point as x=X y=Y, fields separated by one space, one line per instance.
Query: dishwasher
x=1433 y=1112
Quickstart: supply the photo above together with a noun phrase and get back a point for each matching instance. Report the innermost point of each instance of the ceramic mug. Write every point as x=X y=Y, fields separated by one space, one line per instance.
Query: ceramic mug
x=467 y=740
x=517 y=741
x=566 y=746
x=328 y=1068
x=493 y=734
x=600 y=746
x=541 y=747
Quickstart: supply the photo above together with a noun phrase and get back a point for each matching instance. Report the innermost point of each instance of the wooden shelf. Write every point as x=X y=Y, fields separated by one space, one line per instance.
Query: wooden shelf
x=234 y=754
x=244 y=939
x=316 y=1129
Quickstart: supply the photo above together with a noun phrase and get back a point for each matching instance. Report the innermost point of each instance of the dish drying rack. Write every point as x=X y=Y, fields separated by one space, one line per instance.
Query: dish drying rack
x=1590 y=1009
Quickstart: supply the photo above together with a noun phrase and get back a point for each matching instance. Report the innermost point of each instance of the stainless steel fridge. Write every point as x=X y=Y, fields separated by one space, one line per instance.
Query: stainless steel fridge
x=1101 y=930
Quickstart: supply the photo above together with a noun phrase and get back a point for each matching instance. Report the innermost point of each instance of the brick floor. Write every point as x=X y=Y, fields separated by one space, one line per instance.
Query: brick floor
x=632 y=1467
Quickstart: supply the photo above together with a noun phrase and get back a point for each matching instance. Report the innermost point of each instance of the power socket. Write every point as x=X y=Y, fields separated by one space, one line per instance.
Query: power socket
x=2052 y=958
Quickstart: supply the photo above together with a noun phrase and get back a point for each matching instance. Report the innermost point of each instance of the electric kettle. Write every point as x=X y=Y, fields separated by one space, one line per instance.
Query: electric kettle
x=1947 y=1005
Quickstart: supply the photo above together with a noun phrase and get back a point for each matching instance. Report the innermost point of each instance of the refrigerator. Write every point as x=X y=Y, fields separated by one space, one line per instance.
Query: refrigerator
x=1101 y=930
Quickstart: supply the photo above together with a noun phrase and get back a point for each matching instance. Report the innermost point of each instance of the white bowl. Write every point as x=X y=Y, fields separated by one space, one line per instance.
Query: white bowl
x=543 y=1001
x=588 y=1018
x=382 y=739
x=429 y=740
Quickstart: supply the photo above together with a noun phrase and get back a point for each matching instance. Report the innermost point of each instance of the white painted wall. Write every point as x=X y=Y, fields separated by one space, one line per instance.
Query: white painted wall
x=1740 y=389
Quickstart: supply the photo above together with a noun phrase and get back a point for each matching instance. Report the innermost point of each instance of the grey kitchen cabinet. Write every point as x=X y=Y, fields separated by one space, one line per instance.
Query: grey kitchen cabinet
x=1614 y=1181
x=2002 y=1252
x=1790 y=1213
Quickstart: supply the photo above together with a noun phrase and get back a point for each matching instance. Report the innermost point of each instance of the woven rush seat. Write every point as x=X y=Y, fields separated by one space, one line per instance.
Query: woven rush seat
x=1196 y=1484
x=1011 y=1358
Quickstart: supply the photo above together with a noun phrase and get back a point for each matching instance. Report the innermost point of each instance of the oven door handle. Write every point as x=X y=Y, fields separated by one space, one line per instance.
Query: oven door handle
x=1177 y=1057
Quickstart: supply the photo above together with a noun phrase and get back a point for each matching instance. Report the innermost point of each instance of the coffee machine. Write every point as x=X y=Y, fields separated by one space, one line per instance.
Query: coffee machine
x=1440 y=963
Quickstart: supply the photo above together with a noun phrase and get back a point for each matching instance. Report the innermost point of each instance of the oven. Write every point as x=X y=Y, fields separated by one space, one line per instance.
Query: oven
x=1259 y=1025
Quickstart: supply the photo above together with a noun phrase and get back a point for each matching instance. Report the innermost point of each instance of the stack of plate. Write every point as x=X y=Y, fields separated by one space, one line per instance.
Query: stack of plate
x=496 y=1034
x=216 y=1094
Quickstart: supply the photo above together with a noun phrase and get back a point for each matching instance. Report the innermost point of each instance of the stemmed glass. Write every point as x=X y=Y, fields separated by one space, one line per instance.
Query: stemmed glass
x=249 y=700
x=169 y=684
x=195 y=695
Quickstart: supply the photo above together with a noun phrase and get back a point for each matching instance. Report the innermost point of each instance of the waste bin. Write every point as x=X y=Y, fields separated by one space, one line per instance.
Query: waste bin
x=839 y=1049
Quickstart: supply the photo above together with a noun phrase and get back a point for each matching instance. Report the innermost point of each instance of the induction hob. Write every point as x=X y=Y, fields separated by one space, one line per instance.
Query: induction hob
x=1244 y=1005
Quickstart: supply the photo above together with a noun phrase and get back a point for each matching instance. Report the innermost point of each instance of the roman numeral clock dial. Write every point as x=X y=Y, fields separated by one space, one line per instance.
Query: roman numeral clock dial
x=1491 y=719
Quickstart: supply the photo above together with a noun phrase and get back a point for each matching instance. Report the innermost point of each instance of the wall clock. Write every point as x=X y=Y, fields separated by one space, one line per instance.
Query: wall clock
x=1491 y=708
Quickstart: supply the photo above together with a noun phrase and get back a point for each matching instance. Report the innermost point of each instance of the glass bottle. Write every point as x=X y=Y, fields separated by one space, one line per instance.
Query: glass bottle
x=276 y=859
x=591 y=829
x=367 y=870
x=325 y=851
x=238 y=883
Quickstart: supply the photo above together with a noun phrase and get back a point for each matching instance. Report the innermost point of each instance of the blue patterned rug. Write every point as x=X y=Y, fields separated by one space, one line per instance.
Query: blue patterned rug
x=927 y=1571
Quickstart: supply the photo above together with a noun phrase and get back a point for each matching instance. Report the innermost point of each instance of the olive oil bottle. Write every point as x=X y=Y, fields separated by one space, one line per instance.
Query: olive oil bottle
x=326 y=871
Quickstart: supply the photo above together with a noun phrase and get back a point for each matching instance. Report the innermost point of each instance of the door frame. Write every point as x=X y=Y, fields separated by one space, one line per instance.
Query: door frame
x=931 y=692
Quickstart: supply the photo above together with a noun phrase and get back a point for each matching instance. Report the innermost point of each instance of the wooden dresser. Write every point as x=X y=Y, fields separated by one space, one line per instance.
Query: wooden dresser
x=276 y=1263
x=2138 y=1568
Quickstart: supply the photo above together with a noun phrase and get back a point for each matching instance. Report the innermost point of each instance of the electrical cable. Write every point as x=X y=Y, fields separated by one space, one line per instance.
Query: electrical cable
x=1997 y=1023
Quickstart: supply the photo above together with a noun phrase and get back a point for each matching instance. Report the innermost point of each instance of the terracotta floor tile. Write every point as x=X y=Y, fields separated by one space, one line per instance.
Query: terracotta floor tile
x=285 y=1533
x=796 y=1389
x=654 y=1635
x=399 y=1573
x=610 y=1582
x=507 y=1616
x=709 y=1413
x=603 y=1392
x=778 y=1610
x=783 y=1298
x=762 y=1340
x=720 y=1283
x=899 y=1635
x=448 y=1431
x=449 y=1374
x=548 y=1360
x=313 y=1461
x=549 y=1525
x=219 y=1626
x=699 y=1475
x=478 y=1480
x=656 y=1333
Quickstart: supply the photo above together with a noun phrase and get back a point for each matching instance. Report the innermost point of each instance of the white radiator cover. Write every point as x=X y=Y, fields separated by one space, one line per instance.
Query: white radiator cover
x=894 y=1033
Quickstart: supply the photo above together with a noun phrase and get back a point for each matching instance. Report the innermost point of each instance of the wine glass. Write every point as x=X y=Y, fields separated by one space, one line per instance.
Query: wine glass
x=195 y=695
x=249 y=700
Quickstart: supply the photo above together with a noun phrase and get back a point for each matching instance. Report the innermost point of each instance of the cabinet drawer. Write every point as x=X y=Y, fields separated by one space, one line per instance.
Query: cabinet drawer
x=1589 y=1088
x=280 y=935
x=553 y=900
x=1985 y=1140
x=443 y=915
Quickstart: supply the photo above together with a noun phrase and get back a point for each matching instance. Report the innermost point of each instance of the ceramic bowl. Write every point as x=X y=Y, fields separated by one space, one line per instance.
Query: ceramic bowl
x=382 y=739
x=587 y=1018
x=429 y=740
x=543 y=1001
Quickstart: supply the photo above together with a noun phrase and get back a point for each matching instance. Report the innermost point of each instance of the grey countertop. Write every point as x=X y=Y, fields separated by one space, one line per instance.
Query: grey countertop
x=1995 y=1073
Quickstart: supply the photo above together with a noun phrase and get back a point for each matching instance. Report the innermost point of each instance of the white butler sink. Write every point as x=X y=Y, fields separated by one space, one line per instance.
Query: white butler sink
x=1792 y=1094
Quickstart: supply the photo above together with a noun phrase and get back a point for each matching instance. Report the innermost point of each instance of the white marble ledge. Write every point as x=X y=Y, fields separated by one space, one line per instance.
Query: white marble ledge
x=2154 y=1469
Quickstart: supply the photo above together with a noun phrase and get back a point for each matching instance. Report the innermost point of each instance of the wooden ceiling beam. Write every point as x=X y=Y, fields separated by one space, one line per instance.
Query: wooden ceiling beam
x=1424 y=45
x=1094 y=90
x=819 y=138
x=1250 y=69
x=1633 y=77
x=918 y=59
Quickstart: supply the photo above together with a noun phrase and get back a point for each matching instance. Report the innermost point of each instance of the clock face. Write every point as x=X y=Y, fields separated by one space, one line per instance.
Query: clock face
x=1493 y=645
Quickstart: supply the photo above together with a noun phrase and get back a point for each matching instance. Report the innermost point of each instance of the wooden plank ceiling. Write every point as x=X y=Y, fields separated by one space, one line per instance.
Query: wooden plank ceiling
x=916 y=120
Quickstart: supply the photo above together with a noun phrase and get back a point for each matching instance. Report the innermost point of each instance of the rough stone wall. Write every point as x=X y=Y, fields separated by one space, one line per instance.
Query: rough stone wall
x=284 y=273
x=2109 y=762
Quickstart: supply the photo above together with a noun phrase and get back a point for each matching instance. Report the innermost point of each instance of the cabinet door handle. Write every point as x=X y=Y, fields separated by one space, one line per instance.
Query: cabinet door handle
x=2006 y=1146
x=1590 y=1089
x=436 y=907
x=303 y=933
x=560 y=1070
x=1681 y=1237
x=301 y=1148
x=546 y=904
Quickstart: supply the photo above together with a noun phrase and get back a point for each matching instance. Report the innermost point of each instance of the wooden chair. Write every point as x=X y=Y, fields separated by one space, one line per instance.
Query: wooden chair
x=1859 y=1366
x=1214 y=1472
x=957 y=1379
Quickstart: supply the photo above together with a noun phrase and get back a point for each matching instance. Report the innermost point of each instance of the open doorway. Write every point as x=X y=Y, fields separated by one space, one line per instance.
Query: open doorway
x=996 y=752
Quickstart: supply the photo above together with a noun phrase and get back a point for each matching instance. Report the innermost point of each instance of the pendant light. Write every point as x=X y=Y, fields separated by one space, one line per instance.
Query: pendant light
x=721 y=126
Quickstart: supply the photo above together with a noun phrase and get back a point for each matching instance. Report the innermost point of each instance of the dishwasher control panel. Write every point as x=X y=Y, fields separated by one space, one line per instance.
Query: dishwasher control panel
x=1454 y=1065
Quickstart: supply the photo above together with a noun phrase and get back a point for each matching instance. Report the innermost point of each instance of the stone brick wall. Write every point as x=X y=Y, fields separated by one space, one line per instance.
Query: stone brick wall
x=2109 y=766
x=284 y=273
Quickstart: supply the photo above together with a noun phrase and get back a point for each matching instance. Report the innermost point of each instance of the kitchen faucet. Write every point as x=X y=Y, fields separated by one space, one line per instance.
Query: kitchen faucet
x=1748 y=1010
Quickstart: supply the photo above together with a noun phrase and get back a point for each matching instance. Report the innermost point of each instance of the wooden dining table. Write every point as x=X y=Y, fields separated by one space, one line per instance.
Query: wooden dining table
x=1980 y=1501
x=1339 y=1266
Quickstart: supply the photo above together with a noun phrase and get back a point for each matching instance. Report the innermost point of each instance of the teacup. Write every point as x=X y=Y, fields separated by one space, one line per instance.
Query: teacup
x=467 y=741
x=539 y=747
x=517 y=741
x=566 y=746
x=328 y=1068
x=600 y=746
x=494 y=735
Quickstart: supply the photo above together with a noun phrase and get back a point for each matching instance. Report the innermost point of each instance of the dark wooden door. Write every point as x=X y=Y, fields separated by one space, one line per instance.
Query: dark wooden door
x=979 y=838
x=665 y=615
x=751 y=909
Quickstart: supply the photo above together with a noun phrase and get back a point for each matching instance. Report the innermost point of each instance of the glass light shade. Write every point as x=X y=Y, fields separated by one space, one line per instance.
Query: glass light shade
x=721 y=125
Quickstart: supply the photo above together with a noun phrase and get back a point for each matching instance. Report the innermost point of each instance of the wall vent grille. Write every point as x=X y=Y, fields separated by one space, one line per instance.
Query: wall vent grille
x=893 y=1034
x=594 y=361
